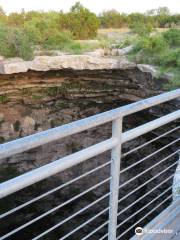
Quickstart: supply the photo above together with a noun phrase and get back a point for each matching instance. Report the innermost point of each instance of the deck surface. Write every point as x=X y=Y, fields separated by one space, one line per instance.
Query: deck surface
x=168 y=219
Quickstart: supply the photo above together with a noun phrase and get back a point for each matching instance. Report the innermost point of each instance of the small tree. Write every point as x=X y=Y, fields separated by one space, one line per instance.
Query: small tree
x=82 y=23
x=111 y=18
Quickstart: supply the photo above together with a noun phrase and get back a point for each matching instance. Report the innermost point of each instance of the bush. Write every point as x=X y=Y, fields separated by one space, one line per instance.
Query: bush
x=141 y=29
x=58 y=41
x=33 y=32
x=151 y=45
x=170 y=58
x=6 y=48
x=63 y=41
x=82 y=23
x=21 y=44
x=172 y=37
x=14 y=43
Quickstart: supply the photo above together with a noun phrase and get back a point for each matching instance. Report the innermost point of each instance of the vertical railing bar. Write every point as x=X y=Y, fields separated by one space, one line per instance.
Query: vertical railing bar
x=115 y=177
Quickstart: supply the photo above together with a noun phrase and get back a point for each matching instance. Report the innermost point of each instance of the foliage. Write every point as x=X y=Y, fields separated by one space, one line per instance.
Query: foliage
x=14 y=43
x=172 y=37
x=151 y=44
x=141 y=29
x=21 y=33
x=160 y=18
x=58 y=41
x=112 y=19
x=82 y=23
x=162 y=50
x=170 y=58
x=6 y=48
x=21 y=44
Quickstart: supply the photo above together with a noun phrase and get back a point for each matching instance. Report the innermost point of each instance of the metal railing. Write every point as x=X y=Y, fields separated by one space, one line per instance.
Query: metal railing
x=114 y=145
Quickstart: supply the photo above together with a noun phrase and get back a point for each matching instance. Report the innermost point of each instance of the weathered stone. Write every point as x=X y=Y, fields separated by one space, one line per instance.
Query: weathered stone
x=80 y=62
x=28 y=126
x=14 y=65
x=126 y=50
x=1 y=117
x=6 y=130
x=148 y=69
x=75 y=62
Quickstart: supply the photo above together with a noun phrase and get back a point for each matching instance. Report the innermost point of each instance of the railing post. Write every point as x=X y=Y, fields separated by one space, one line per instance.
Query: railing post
x=115 y=175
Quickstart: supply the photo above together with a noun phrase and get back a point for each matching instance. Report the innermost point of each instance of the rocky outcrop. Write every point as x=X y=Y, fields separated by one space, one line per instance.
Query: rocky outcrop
x=75 y=62
x=148 y=69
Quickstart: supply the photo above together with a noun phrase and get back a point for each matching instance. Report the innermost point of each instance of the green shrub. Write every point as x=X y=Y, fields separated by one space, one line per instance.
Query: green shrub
x=63 y=41
x=21 y=43
x=6 y=48
x=174 y=83
x=58 y=41
x=141 y=29
x=74 y=48
x=14 y=43
x=172 y=37
x=151 y=45
x=82 y=23
x=158 y=50
x=170 y=58
x=32 y=32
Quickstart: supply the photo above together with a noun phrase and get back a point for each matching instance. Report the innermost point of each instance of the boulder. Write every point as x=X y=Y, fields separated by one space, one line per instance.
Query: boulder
x=148 y=69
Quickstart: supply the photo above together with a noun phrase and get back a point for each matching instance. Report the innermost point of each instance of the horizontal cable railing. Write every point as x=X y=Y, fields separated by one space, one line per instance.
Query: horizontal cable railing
x=112 y=226
x=145 y=216
x=36 y=140
x=60 y=206
x=53 y=190
x=148 y=142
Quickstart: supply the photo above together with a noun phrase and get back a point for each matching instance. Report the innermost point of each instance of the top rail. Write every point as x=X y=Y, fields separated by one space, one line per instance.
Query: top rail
x=66 y=162
x=38 y=139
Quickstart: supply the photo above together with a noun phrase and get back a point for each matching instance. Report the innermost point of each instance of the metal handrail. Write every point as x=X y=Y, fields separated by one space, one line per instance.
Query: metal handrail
x=114 y=144
x=62 y=164
x=39 y=139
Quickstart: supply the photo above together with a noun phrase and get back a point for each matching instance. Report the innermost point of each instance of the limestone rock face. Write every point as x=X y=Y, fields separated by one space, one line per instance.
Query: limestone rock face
x=79 y=62
x=75 y=62
x=14 y=65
